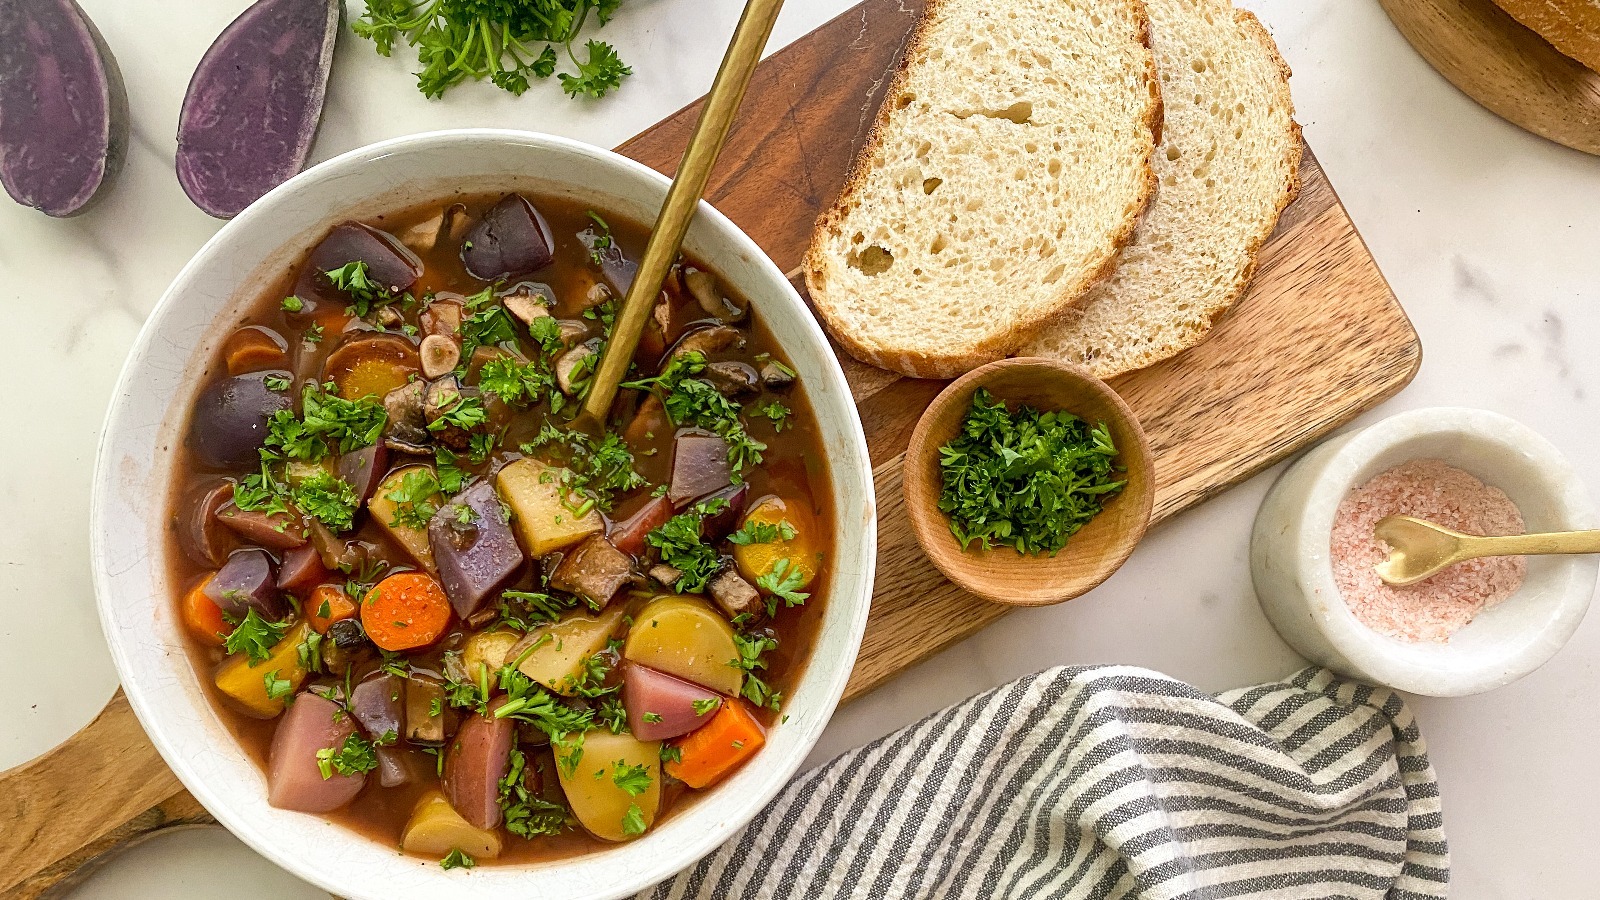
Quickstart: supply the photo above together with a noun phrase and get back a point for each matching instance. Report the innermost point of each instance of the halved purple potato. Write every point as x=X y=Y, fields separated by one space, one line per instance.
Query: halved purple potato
x=699 y=466
x=294 y=781
x=204 y=539
x=629 y=534
x=254 y=103
x=478 y=757
x=511 y=239
x=661 y=706
x=363 y=469
x=63 y=109
x=378 y=704
x=248 y=580
x=275 y=531
x=230 y=419
x=475 y=557
x=389 y=262
x=302 y=570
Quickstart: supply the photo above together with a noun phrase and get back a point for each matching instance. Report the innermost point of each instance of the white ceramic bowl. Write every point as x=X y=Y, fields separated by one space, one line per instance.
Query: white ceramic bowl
x=1289 y=553
x=142 y=431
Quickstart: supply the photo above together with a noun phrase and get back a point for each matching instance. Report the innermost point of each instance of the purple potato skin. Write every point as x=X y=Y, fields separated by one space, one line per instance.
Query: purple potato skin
x=388 y=261
x=205 y=539
x=230 y=419
x=511 y=239
x=63 y=107
x=254 y=103
x=478 y=757
x=247 y=581
x=724 y=522
x=363 y=469
x=699 y=466
x=474 y=559
x=669 y=701
x=377 y=704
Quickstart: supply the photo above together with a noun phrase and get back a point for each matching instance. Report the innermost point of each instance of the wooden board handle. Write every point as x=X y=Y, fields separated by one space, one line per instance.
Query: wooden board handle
x=103 y=789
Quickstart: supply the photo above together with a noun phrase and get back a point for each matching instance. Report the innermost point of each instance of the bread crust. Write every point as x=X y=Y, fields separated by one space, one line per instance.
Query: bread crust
x=1001 y=345
x=1571 y=26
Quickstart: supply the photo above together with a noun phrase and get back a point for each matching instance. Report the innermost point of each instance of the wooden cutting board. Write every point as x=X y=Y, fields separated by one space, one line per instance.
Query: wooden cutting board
x=1319 y=339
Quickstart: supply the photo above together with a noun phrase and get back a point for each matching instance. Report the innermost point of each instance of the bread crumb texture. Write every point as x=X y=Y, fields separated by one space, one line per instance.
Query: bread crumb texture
x=1009 y=163
x=1228 y=165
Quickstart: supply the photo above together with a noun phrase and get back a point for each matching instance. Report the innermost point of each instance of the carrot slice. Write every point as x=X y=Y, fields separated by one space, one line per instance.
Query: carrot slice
x=333 y=599
x=718 y=747
x=405 y=611
x=203 y=616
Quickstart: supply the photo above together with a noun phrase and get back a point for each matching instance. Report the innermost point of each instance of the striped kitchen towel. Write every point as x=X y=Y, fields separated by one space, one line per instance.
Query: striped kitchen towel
x=1109 y=782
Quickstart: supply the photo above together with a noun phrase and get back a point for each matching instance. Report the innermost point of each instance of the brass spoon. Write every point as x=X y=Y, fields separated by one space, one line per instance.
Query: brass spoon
x=716 y=118
x=1418 y=549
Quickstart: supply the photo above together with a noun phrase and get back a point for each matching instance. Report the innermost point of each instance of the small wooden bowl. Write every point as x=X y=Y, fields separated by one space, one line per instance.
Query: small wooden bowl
x=1001 y=574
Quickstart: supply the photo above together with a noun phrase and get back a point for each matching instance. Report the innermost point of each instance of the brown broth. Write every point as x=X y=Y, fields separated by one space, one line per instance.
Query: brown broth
x=793 y=468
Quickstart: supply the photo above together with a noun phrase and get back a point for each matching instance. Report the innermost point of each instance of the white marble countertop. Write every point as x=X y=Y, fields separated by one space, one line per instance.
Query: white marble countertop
x=1486 y=233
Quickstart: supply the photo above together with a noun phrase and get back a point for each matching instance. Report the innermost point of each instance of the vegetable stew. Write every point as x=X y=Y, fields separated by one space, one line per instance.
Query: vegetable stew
x=440 y=615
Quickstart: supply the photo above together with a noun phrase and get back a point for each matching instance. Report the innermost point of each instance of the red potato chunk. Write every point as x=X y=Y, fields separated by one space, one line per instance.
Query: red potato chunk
x=478 y=757
x=661 y=707
x=294 y=780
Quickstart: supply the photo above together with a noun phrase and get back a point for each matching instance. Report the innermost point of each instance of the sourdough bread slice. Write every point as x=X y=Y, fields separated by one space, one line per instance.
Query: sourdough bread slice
x=1008 y=165
x=1228 y=165
x=1571 y=26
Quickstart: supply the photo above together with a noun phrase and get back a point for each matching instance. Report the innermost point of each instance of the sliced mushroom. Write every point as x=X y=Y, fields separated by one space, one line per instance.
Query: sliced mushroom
x=730 y=377
x=443 y=317
x=573 y=332
x=703 y=285
x=425 y=236
x=529 y=301
x=407 y=428
x=665 y=574
x=572 y=367
x=440 y=355
x=389 y=317
x=733 y=594
x=776 y=375
x=710 y=341
x=441 y=396
x=598 y=293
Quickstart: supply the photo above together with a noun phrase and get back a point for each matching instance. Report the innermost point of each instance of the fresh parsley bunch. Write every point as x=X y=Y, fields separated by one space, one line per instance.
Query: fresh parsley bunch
x=505 y=41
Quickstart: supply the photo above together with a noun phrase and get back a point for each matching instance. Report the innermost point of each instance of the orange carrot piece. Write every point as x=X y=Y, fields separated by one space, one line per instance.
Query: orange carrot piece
x=203 y=617
x=717 y=747
x=251 y=350
x=405 y=611
x=333 y=598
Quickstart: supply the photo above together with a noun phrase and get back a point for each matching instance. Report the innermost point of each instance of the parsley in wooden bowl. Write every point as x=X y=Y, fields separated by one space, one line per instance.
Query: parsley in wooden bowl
x=1028 y=482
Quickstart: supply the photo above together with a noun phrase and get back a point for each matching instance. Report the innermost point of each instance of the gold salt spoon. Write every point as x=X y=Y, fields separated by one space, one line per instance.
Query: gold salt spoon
x=1418 y=549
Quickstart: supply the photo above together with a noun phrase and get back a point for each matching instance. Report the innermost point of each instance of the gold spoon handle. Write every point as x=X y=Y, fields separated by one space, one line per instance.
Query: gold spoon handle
x=1473 y=547
x=694 y=170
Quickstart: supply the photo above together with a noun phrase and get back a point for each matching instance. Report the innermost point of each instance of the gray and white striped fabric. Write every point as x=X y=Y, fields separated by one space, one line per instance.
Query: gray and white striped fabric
x=1109 y=782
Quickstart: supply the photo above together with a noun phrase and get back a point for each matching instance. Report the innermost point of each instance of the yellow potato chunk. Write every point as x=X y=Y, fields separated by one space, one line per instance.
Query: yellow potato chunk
x=384 y=509
x=435 y=828
x=540 y=510
x=684 y=636
x=558 y=651
x=245 y=683
x=488 y=649
x=756 y=560
x=600 y=788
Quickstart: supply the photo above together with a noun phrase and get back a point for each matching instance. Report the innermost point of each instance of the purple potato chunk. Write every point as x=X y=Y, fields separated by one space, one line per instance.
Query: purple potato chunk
x=230 y=419
x=254 y=103
x=726 y=520
x=478 y=758
x=247 y=581
x=511 y=240
x=389 y=262
x=699 y=466
x=661 y=706
x=203 y=537
x=617 y=268
x=63 y=108
x=475 y=556
x=275 y=531
x=302 y=570
x=294 y=780
x=363 y=469
x=629 y=534
x=378 y=704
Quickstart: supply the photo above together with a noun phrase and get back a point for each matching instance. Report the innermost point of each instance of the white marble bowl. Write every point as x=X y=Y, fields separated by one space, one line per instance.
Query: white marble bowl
x=144 y=429
x=1290 y=549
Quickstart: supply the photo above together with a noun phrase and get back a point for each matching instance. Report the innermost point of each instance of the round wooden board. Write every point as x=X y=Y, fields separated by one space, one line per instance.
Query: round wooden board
x=1503 y=65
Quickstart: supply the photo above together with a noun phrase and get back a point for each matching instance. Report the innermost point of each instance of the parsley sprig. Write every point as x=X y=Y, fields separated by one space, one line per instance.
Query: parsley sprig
x=694 y=401
x=527 y=815
x=683 y=548
x=254 y=636
x=508 y=42
x=596 y=470
x=354 y=757
x=1028 y=480
x=752 y=650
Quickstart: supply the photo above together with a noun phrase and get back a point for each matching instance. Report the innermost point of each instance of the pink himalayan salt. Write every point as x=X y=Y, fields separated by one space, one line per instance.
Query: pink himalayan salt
x=1434 y=609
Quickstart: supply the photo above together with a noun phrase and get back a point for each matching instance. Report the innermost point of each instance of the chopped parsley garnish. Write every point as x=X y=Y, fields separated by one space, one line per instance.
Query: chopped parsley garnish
x=600 y=240
x=597 y=470
x=413 y=499
x=633 y=821
x=777 y=413
x=683 y=548
x=694 y=401
x=365 y=294
x=488 y=327
x=354 y=757
x=461 y=411
x=457 y=860
x=313 y=333
x=783 y=582
x=327 y=498
x=327 y=424
x=254 y=636
x=507 y=43
x=751 y=650
x=526 y=815
x=527 y=610
x=633 y=779
x=669 y=753
x=754 y=532
x=701 y=707
x=452 y=478
x=1028 y=480
x=277 y=688
x=518 y=383
x=293 y=304
x=651 y=717
x=277 y=383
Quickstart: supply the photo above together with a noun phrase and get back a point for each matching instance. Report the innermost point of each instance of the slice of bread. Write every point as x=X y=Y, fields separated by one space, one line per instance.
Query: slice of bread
x=1008 y=165
x=1228 y=165
x=1571 y=26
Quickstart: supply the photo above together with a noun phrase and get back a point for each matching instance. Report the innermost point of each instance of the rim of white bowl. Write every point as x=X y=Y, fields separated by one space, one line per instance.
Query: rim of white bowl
x=1405 y=666
x=483 y=882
